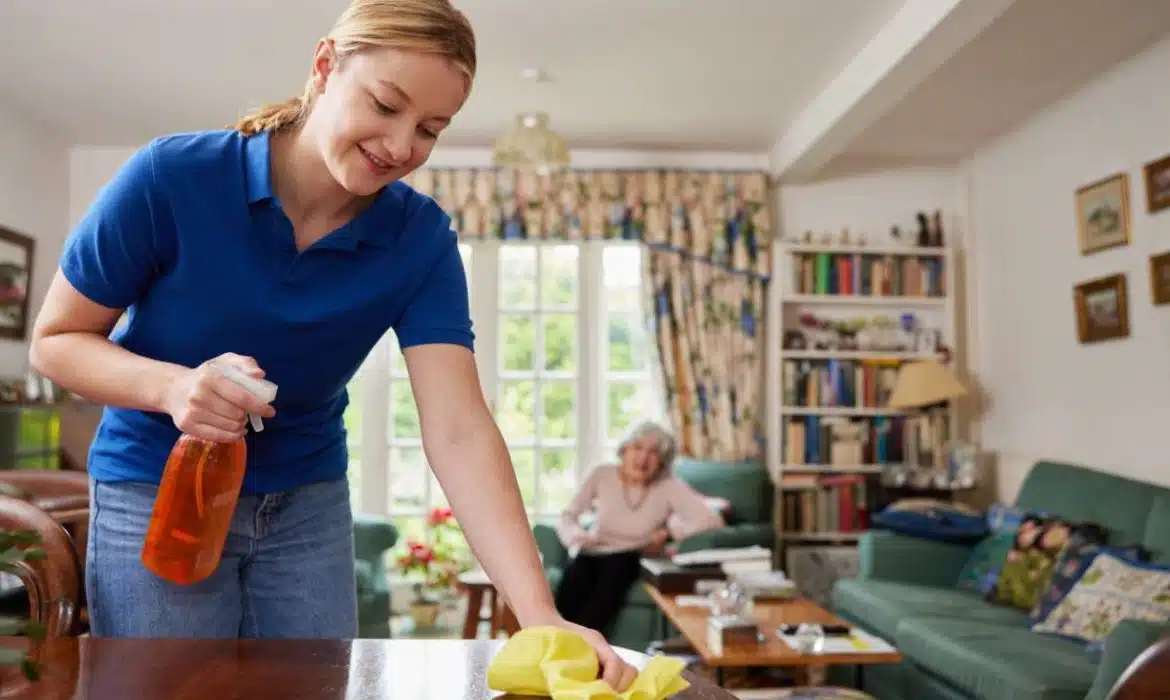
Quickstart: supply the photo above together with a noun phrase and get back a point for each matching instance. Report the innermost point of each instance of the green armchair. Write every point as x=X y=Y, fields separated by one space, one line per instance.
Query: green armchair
x=372 y=537
x=745 y=485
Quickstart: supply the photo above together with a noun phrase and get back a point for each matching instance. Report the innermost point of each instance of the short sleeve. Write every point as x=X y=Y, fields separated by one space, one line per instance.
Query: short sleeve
x=440 y=311
x=114 y=252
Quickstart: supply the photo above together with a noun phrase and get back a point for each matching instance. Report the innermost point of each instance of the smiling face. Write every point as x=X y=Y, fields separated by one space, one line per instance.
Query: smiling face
x=378 y=113
x=641 y=460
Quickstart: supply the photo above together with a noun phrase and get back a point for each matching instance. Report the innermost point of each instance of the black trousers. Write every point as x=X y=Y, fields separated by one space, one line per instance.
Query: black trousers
x=594 y=587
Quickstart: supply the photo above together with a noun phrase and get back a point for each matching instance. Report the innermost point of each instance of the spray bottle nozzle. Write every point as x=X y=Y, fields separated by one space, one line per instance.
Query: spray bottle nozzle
x=262 y=389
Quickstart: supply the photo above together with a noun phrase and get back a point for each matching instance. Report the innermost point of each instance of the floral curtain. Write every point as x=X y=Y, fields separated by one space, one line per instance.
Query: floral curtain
x=707 y=236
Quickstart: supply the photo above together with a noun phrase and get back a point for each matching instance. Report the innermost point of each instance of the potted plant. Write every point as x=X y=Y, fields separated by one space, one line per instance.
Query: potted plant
x=16 y=547
x=434 y=561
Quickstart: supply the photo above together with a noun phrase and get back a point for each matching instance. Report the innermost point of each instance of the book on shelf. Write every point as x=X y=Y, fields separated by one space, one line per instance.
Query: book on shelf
x=821 y=504
x=834 y=440
x=837 y=383
x=869 y=274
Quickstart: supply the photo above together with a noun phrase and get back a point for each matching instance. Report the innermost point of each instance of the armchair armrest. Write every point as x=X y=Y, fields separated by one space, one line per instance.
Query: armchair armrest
x=888 y=556
x=372 y=536
x=553 y=554
x=730 y=537
x=1123 y=645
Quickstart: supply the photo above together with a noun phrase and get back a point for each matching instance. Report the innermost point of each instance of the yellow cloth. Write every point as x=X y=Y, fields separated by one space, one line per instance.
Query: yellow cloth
x=558 y=664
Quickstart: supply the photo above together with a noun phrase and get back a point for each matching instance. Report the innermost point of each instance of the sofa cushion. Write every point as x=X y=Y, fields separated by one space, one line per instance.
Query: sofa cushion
x=745 y=485
x=880 y=605
x=990 y=661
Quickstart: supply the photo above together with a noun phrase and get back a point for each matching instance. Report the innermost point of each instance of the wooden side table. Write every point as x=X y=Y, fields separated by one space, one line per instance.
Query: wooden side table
x=477 y=584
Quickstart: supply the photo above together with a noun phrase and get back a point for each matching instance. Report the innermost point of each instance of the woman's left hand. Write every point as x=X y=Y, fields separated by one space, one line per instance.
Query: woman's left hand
x=615 y=671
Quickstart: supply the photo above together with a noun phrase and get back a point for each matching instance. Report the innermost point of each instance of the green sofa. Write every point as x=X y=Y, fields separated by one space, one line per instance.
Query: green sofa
x=748 y=489
x=959 y=647
x=372 y=537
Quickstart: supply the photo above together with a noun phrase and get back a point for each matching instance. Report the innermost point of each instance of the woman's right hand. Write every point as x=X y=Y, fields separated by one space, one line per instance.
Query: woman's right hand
x=205 y=404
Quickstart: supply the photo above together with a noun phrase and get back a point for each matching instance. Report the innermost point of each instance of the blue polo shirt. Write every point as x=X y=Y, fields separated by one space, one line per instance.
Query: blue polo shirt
x=191 y=239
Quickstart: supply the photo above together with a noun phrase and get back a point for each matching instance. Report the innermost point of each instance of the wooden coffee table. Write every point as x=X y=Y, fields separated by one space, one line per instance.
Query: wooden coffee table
x=773 y=652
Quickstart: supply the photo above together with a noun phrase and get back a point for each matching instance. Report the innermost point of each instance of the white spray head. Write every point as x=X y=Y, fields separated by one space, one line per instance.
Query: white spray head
x=262 y=389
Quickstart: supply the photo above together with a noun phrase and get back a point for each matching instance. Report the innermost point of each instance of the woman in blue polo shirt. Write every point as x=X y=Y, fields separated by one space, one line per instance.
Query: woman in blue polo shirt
x=287 y=246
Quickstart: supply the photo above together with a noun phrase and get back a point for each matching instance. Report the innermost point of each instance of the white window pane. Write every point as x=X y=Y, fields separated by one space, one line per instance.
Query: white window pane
x=437 y=496
x=628 y=402
x=517 y=275
x=353 y=414
x=524 y=461
x=408 y=476
x=397 y=361
x=558 y=276
x=404 y=422
x=560 y=342
x=517 y=342
x=516 y=409
x=559 y=408
x=558 y=479
x=621 y=269
x=354 y=476
x=628 y=346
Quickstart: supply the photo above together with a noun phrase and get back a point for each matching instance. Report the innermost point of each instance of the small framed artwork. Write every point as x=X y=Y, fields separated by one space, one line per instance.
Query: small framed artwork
x=16 y=262
x=1102 y=309
x=1160 y=278
x=1157 y=184
x=1103 y=214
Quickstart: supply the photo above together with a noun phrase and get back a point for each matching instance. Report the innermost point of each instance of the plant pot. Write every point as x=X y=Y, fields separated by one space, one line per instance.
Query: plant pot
x=424 y=614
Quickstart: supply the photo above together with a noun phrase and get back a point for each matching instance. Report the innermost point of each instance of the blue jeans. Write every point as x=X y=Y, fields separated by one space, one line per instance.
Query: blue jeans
x=287 y=569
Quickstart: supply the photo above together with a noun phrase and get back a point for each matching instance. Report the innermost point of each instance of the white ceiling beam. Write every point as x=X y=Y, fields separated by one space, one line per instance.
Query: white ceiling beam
x=919 y=39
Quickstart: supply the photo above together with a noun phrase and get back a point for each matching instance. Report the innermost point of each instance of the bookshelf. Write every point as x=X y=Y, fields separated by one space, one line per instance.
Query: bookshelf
x=841 y=320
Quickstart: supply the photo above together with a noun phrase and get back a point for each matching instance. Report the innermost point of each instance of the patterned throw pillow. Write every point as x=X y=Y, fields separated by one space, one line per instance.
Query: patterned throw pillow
x=1029 y=565
x=982 y=568
x=1070 y=566
x=1113 y=589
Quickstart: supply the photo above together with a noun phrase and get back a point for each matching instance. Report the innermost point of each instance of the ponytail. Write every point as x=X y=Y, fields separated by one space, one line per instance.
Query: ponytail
x=273 y=117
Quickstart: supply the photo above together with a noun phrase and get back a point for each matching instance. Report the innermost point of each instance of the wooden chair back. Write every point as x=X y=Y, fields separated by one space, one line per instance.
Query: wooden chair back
x=53 y=583
x=1148 y=676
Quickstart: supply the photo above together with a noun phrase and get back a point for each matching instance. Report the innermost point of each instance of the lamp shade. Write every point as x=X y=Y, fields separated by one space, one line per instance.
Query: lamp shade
x=531 y=145
x=924 y=383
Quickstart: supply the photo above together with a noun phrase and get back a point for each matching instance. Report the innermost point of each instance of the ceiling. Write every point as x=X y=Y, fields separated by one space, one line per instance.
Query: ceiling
x=1036 y=52
x=698 y=74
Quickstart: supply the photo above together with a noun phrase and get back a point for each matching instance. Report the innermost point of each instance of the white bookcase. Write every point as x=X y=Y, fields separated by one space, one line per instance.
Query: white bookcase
x=827 y=383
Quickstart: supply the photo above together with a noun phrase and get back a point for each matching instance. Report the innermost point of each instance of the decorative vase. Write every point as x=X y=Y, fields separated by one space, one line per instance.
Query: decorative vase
x=424 y=613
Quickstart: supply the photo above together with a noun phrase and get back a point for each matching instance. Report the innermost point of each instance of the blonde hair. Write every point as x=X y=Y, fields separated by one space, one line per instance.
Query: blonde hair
x=426 y=26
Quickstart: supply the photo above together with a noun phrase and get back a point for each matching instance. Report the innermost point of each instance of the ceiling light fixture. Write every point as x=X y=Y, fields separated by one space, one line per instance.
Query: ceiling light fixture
x=531 y=144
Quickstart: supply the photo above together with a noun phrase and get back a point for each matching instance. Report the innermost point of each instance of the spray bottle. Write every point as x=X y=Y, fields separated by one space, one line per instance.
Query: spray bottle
x=197 y=497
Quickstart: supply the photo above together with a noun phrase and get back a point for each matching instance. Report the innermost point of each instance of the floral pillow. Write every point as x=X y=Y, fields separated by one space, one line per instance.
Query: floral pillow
x=1028 y=567
x=1071 y=564
x=1113 y=589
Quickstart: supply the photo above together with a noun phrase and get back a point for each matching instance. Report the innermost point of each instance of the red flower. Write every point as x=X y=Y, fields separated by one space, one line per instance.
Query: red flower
x=439 y=516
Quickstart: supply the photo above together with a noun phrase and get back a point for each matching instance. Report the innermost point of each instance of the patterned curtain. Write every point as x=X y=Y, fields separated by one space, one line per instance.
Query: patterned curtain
x=706 y=269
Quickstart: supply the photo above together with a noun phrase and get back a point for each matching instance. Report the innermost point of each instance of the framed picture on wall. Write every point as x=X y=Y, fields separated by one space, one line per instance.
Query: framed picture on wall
x=1157 y=176
x=1102 y=309
x=1103 y=220
x=16 y=262
x=1160 y=278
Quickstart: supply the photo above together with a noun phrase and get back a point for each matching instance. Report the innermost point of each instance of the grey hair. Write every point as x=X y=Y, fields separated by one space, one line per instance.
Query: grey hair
x=664 y=442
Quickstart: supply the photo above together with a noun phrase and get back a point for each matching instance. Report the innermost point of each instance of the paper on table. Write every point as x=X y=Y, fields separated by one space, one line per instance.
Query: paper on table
x=555 y=663
x=857 y=642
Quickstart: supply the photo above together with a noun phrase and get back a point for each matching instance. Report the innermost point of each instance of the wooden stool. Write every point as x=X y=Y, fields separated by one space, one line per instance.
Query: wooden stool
x=477 y=584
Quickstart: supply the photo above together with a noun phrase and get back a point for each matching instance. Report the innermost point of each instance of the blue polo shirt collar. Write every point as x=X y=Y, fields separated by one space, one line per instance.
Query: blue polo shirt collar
x=258 y=182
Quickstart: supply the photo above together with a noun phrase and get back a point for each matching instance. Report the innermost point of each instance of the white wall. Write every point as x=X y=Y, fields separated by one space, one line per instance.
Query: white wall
x=1107 y=404
x=34 y=198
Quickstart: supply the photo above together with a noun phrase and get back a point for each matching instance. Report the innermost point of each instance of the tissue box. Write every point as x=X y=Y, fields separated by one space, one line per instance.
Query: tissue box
x=730 y=630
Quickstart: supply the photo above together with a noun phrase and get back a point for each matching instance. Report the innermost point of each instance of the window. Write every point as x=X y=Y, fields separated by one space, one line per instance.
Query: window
x=565 y=362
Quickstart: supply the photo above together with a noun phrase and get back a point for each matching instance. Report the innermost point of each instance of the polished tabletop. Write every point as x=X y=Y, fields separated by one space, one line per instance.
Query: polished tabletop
x=172 y=669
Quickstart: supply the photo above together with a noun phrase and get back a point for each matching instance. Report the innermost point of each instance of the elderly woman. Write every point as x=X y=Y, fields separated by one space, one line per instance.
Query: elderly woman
x=637 y=505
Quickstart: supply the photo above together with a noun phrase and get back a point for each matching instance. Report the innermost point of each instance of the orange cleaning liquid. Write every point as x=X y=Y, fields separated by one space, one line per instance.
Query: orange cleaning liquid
x=197 y=498
x=193 y=510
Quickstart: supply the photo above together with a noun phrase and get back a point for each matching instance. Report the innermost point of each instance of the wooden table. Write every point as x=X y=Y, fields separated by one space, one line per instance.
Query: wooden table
x=84 y=668
x=691 y=622
x=477 y=584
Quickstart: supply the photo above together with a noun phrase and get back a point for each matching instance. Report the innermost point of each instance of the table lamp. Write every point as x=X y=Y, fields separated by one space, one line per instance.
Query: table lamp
x=920 y=386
